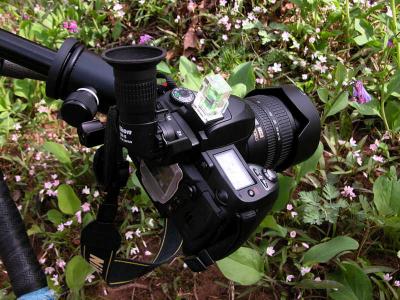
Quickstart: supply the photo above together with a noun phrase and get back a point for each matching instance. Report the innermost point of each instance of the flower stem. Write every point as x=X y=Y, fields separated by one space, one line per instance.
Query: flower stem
x=395 y=29
x=383 y=113
x=348 y=20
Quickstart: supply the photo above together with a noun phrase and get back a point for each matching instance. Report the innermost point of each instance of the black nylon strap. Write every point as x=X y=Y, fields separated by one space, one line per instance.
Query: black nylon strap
x=100 y=240
x=122 y=271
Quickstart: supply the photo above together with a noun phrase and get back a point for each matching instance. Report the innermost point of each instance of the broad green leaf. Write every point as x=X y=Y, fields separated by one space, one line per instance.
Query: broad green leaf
x=58 y=151
x=378 y=269
x=310 y=165
x=270 y=223
x=192 y=82
x=117 y=30
x=339 y=104
x=245 y=266
x=324 y=284
x=323 y=252
x=323 y=94
x=68 y=201
x=392 y=111
x=76 y=272
x=386 y=195
x=340 y=74
x=55 y=216
x=23 y=88
x=188 y=67
x=366 y=31
x=393 y=85
x=239 y=90
x=244 y=74
x=356 y=284
x=367 y=109
x=286 y=184
x=163 y=68
x=35 y=229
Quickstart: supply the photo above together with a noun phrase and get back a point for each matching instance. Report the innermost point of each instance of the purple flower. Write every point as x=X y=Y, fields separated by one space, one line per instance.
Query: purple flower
x=390 y=43
x=360 y=93
x=144 y=39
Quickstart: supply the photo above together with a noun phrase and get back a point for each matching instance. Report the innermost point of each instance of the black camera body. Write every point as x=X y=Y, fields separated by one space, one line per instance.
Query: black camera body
x=221 y=192
x=213 y=181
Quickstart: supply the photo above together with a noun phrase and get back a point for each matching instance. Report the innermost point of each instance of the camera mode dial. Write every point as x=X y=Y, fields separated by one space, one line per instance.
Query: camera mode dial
x=182 y=96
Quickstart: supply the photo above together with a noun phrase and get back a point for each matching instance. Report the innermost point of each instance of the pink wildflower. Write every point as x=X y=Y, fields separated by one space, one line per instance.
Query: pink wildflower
x=144 y=39
x=293 y=234
x=348 y=192
x=387 y=277
x=270 y=251
x=71 y=26
x=305 y=270
x=85 y=207
x=78 y=216
x=129 y=235
x=378 y=158
x=289 y=278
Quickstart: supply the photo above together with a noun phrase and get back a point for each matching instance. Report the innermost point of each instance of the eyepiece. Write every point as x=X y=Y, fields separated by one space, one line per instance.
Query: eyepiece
x=135 y=87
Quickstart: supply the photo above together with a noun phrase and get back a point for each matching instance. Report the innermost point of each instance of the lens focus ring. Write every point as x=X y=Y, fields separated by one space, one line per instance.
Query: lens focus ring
x=277 y=125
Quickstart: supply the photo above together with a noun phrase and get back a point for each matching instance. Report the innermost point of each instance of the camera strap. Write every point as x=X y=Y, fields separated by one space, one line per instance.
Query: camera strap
x=100 y=240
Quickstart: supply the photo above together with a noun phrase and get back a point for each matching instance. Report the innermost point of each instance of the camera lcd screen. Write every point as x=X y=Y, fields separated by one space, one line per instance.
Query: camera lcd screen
x=234 y=169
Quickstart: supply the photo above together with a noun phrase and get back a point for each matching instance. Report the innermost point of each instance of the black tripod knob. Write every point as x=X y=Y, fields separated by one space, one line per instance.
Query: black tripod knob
x=80 y=106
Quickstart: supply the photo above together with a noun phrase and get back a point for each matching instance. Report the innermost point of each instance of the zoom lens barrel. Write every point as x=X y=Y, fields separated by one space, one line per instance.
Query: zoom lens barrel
x=287 y=127
x=136 y=94
x=273 y=136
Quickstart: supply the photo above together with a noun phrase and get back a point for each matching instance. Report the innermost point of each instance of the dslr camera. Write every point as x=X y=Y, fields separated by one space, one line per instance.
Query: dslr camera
x=207 y=159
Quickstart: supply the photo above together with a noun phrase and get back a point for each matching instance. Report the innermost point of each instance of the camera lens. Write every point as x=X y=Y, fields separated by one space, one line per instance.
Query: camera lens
x=272 y=140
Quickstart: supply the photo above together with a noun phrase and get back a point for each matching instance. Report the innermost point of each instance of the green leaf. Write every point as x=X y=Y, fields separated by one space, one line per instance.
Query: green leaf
x=393 y=85
x=243 y=74
x=270 y=223
x=340 y=74
x=366 y=31
x=330 y=192
x=68 y=201
x=323 y=94
x=58 y=151
x=310 y=165
x=339 y=104
x=392 y=111
x=324 y=284
x=323 y=252
x=117 y=30
x=187 y=67
x=239 y=90
x=55 y=216
x=386 y=195
x=23 y=88
x=76 y=272
x=286 y=185
x=163 y=68
x=367 y=109
x=356 y=284
x=245 y=266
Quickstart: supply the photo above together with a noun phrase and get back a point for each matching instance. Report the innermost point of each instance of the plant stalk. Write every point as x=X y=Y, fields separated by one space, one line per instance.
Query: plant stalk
x=395 y=29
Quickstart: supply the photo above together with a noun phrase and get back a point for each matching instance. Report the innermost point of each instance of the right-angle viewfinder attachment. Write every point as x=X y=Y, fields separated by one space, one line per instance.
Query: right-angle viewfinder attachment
x=136 y=95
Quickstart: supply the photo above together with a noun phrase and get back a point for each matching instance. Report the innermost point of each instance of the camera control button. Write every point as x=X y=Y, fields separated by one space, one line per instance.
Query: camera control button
x=271 y=175
x=251 y=193
x=265 y=183
x=222 y=197
x=182 y=96
x=256 y=171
